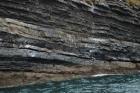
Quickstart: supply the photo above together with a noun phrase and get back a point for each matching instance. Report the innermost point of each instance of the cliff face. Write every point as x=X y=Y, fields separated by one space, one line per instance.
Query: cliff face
x=67 y=36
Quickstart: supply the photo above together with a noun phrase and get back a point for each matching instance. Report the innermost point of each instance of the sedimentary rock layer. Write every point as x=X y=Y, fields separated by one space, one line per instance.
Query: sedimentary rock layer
x=58 y=36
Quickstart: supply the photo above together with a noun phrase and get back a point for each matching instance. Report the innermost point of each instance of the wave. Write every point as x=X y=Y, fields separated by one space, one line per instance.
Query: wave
x=101 y=75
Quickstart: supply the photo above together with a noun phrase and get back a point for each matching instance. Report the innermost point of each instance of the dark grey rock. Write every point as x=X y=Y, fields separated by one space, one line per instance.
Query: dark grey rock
x=67 y=32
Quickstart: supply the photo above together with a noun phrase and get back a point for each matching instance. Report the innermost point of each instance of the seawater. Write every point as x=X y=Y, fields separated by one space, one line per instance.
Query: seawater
x=94 y=84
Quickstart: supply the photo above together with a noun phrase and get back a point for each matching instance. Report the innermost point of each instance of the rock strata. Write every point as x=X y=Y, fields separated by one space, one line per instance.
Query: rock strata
x=58 y=37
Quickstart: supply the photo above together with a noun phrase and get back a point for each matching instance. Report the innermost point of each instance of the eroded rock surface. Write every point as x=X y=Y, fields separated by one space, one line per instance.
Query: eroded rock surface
x=67 y=36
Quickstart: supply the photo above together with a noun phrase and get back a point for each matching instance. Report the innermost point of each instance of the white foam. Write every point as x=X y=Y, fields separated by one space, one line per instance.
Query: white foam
x=101 y=75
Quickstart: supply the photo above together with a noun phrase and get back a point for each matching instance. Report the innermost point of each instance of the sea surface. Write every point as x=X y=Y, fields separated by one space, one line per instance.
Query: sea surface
x=93 y=84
